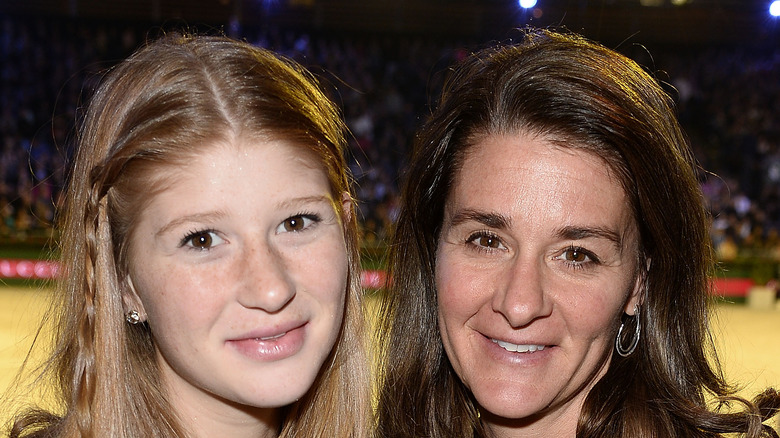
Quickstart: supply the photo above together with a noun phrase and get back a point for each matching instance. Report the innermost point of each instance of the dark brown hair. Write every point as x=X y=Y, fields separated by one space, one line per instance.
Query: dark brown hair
x=164 y=104
x=582 y=95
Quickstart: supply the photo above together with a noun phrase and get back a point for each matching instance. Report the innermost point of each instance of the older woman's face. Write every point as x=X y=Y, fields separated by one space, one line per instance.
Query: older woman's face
x=240 y=265
x=535 y=264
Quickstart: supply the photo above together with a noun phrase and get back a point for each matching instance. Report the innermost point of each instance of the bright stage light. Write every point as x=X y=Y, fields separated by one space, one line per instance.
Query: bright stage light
x=527 y=4
x=774 y=8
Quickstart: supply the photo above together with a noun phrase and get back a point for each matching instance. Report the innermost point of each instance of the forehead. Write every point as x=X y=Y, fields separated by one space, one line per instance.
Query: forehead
x=178 y=162
x=525 y=150
x=532 y=176
x=238 y=180
x=144 y=180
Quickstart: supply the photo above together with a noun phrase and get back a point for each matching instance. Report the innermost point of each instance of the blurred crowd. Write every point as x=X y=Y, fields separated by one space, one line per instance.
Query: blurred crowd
x=729 y=104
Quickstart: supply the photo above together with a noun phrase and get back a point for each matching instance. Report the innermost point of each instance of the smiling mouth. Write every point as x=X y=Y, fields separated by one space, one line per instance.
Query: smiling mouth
x=514 y=348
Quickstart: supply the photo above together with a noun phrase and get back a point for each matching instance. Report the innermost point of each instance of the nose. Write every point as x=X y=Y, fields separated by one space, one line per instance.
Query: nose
x=265 y=279
x=520 y=295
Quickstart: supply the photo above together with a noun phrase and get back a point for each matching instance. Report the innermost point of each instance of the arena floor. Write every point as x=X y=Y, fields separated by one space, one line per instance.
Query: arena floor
x=748 y=339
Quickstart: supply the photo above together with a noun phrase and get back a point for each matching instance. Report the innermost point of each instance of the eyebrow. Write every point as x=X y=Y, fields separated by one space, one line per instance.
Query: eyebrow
x=290 y=203
x=577 y=233
x=197 y=217
x=489 y=219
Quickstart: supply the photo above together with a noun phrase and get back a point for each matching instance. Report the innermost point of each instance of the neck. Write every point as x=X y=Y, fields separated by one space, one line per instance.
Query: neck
x=561 y=424
x=206 y=415
x=210 y=424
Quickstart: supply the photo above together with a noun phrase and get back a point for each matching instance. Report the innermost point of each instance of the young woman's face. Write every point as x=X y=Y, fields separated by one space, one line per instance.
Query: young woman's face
x=535 y=264
x=240 y=267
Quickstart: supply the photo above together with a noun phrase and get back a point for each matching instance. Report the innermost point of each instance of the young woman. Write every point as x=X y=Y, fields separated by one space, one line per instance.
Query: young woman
x=550 y=264
x=210 y=281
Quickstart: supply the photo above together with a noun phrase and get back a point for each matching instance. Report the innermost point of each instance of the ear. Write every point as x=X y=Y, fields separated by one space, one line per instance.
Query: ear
x=131 y=300
x=637 y=294
x=346 y=207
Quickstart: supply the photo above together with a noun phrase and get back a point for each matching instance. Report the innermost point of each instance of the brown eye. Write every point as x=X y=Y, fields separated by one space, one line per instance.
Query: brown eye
x=201 y=241
x=575 y=255
x=484 y=240
x=298 y=223
x=488 y=242
x=578 y=256
x=295 y=223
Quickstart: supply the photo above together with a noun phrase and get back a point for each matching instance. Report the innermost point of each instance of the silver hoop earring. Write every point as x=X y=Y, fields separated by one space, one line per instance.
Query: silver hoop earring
x=133 y=317
x=625 y=352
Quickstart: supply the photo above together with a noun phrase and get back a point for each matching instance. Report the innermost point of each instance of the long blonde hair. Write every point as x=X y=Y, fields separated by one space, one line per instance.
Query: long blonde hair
x=152 y=111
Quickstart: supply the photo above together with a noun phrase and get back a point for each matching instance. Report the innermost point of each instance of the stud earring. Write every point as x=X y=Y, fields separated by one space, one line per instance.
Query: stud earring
x=133 y=317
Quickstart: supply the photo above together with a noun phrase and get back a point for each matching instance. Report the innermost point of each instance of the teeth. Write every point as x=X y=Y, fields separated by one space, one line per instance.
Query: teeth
x=268 y=338
x=518 y=348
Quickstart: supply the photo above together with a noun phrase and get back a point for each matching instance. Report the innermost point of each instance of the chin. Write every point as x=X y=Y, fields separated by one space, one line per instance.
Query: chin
x=273 y=398
x=511 y=407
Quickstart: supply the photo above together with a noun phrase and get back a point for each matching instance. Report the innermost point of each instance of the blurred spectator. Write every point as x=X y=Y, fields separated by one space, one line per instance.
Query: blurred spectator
x=729 y=103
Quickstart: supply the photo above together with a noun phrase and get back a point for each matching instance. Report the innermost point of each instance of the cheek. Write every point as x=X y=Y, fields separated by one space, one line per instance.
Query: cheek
x=179 y=297
x=460 y=295
x=461 y=289
x=323 y=272
x=456 y=295
x=325 y=281
x=594 y=311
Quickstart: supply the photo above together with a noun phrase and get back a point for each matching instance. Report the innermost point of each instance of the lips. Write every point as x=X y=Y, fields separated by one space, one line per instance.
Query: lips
x=518 y=348
x=270 y=344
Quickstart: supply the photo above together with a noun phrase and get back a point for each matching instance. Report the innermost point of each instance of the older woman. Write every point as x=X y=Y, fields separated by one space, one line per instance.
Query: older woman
x=550 y=265
x=210 y=281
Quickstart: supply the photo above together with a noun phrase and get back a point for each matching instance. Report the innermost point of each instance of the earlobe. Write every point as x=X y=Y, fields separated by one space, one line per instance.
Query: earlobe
x=131 y=301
